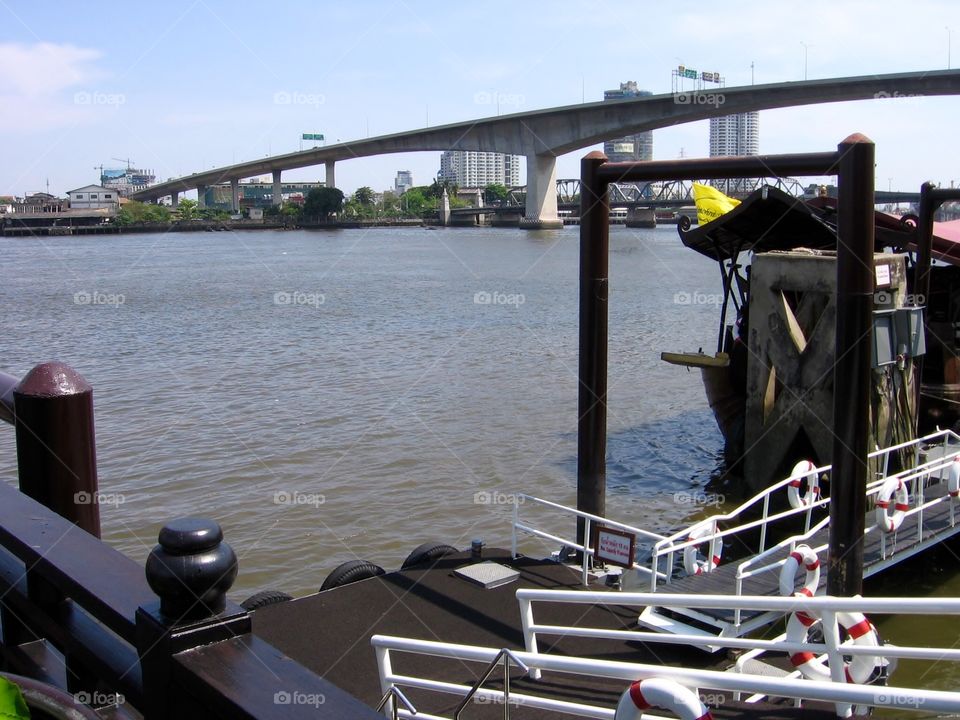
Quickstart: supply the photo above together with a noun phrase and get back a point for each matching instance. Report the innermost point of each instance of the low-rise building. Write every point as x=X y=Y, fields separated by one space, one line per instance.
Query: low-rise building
x=93 y=197
x=39 y=202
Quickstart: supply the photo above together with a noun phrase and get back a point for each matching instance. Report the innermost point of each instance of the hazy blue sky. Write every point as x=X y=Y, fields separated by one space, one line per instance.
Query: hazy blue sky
x=184 y=86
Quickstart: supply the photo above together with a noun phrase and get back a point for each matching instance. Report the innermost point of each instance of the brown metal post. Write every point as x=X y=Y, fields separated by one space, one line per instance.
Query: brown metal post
x=56 y=454
x=594 y=286
x=924 y=241
x=851 y=385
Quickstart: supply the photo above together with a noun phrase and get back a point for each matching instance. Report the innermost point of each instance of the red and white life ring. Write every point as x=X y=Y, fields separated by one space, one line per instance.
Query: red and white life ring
x=661 y=693
x=953 y=478
x=858 y=629
x=694 y=565
x=803 y=470
x=893 y=489
x=805 y=556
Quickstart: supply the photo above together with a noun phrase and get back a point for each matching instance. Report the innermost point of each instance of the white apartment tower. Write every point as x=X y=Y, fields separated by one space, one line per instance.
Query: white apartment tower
x=735 y=135
x=470 y=168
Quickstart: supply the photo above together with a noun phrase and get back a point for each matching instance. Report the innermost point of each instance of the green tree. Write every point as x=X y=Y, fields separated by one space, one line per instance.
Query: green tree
x=322 y=202
x=187 y=209
x=363 y=195
x=137 y=212
x=495 y=192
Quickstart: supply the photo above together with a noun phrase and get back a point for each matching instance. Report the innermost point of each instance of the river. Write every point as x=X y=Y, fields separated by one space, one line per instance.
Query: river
x=349 y=394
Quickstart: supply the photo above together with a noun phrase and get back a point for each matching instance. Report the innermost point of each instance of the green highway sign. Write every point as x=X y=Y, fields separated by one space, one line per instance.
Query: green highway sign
x=313 y=136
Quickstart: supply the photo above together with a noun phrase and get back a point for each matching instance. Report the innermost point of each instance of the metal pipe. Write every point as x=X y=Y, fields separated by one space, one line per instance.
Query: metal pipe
x=594 y=287
x=720 y=167
x=56 y=450
x=851 y=384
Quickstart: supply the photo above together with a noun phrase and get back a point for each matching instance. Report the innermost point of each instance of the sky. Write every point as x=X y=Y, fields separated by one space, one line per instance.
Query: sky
x=179 y=87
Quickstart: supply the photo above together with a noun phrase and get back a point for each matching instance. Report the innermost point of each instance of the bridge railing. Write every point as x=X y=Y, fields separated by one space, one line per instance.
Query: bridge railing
x=75 y=613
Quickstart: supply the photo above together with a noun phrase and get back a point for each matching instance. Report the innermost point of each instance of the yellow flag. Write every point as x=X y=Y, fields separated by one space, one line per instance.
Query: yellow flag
x=711 y=203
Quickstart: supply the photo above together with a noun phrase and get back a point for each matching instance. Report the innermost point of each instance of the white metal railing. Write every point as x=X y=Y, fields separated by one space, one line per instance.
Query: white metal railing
x=823 y=607
x=843 y=694
x=923 y=471
x=587 y=552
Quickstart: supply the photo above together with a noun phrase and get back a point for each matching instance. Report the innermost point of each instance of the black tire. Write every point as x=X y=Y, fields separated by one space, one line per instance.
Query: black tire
x=264 y=598
x=427 y=552
x=350 y=572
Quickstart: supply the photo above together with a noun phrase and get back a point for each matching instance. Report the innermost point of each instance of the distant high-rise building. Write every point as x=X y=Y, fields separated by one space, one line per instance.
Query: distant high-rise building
x=631 y=147
x=403 y=181
x=735 y=135
x=470 y=168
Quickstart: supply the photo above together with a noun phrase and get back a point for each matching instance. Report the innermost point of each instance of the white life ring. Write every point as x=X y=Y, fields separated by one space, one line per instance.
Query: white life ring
x=895 y=489
x=803 y=470
x=802 y=555
x=953 y=478
x=661 y=693
x=691 y=563
x=858 y=629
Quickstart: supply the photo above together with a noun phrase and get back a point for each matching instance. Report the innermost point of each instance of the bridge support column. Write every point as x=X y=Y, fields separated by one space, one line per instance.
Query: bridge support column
x=541 y=210
x=201 y=192
x=174 y=199
x=277 y=188
x=331 y=177
x=235 y=195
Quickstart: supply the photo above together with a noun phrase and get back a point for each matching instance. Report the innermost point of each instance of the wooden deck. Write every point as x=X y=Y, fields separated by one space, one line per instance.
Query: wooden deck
x=330 y=632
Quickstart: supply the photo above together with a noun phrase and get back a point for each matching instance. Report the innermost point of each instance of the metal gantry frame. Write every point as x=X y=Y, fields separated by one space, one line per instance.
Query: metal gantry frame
x=853 y=164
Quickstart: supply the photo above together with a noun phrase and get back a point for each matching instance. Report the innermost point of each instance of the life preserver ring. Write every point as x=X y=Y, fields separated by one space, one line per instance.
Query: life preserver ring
x=691 y=563
x=803 y=470
x=805 y=556
x=953 y=478
x=661 y=693
x=858 y=629
x=895 y=489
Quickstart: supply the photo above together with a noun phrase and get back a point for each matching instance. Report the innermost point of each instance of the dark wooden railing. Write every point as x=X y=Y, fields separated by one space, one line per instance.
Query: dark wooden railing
x=77 y=614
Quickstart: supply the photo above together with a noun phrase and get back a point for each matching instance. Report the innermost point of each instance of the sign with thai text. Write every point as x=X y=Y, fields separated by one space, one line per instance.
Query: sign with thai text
x=615 y=547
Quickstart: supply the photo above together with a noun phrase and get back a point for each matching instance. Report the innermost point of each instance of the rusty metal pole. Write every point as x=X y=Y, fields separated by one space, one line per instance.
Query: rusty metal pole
x=851 y=377
x=56 y=453
x=594 y=286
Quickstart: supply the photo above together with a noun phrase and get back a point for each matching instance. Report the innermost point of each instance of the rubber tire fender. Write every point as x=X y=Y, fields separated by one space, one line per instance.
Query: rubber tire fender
x=427 y=552
x=350 y=572
x=264 y=598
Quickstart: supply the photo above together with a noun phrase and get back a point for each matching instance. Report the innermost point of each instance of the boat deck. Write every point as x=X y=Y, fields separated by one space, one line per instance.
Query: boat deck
x=938 y=526
x=330 y=634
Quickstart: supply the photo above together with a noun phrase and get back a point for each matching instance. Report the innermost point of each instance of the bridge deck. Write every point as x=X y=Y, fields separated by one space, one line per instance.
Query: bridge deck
x=901 y=545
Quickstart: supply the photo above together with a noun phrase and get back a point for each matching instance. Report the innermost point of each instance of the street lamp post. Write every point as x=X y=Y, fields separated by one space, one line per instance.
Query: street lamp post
x=949 y=38
x=805 y=49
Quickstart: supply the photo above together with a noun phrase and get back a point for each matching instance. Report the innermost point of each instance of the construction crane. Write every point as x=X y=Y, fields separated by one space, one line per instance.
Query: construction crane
x=128 y=161
x=100 y=168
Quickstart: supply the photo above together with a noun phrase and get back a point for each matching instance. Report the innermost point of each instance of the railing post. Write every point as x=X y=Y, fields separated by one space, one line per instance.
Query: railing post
x=191 y=570
x=592 y=394
x=56 y=453
x=851 y=394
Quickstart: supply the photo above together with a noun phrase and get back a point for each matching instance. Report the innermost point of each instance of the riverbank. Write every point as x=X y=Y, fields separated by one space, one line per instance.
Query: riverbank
x=201 y=226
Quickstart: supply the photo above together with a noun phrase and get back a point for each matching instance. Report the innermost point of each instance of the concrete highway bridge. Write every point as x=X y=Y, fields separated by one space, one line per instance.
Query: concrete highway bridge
x=543 y=135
